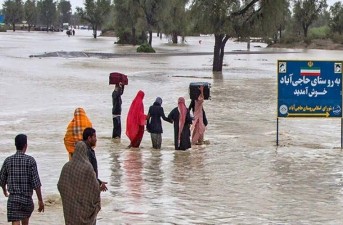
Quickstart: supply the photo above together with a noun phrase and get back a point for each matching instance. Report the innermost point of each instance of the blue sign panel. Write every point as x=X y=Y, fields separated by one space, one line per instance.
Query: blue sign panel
x=2 y=19
x=309 y=88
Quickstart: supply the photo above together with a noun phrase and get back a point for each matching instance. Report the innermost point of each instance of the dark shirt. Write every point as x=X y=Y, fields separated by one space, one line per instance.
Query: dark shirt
x=92 y=160
x=116 y=101
x=155 y=113
x=20 y=173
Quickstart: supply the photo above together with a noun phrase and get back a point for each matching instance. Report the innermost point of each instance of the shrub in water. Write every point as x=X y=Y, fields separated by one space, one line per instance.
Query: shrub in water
x=145 y=48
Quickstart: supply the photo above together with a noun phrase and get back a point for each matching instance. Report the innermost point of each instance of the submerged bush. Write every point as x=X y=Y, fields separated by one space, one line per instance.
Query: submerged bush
x=145 y=48
x=337 y=38
x=2 y=29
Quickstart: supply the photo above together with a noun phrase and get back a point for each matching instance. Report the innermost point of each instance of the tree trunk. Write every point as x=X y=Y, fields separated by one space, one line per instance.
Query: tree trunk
x=13 y=27
x=174 y=38
x=133 y=34
x=95 y=28
x=305 y=30
x=218 y=54
x=150 y=38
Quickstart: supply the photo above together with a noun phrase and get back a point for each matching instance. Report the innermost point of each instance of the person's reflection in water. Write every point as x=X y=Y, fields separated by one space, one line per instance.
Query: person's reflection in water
x=116 y=173
x=133 y=166
x=182 y=165
x=189 y=162
x=154 y=173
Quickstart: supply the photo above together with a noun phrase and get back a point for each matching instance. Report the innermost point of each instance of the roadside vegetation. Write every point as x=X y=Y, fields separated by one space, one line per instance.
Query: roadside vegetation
x=277 y=22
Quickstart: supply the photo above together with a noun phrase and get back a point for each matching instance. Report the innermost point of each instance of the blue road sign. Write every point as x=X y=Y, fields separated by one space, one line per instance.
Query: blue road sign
x=2 y=19
x=309 y=88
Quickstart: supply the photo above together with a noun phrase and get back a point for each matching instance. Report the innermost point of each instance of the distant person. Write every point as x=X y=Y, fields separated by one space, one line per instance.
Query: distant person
x=75 y=130
x=116 y=110
x=154 y=123
x=181 y=118
x=89 y=138
x=73 y=32
x=199 y=121
x=19 y=173
x=135 y=121
x=79 y=189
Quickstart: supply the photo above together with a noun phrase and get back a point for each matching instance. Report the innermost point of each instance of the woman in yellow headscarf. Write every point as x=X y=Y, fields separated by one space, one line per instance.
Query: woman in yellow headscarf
x=75 y=129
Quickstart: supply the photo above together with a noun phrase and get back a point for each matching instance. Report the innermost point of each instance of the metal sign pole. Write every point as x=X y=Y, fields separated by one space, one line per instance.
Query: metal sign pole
x=277 y=131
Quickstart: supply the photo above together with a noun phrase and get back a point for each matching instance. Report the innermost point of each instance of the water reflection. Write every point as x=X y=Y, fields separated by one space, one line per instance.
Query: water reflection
x=153 y=173
x=133 y=167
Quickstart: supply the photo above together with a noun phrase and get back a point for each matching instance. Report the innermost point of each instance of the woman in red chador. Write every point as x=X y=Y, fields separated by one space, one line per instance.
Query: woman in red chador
x=135 y=121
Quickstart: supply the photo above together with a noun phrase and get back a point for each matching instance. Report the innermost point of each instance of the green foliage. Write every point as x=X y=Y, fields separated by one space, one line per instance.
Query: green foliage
x=64 y=9
x=336 y=20
x=319 y=32
x=289 y=40
x=14 y=12
x=145 y=48
x=307 y=40
x=307 y=11
x=47 y=12
x=125 y=37
x=337 y=38
x=31 y=12
x=3 y=29
x=95 y=13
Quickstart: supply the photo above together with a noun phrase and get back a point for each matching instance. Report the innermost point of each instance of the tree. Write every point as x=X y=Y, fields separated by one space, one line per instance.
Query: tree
x=47 y=12
x=64 y=9
x=152 y=10
x=219 y=17
x=307 y=11
x=126 y=29
x=173 y=19
x=274 y=18
x=14 y=12
x=95 y=13
x=336 y=19
x=30 y=13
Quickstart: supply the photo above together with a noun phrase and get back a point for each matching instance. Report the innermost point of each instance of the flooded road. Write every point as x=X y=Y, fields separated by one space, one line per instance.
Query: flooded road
x=241 y=177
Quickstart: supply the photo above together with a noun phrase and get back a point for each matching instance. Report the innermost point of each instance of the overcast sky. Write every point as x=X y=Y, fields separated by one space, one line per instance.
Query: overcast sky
x=79 y=3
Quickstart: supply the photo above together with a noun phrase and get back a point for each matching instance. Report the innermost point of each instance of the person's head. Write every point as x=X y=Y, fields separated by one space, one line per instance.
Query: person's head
x=21 y=142
x=79 y=111
x=181 y=100
x=117 y=86
x=158 y=101
x=140 y=94
x=89 y=136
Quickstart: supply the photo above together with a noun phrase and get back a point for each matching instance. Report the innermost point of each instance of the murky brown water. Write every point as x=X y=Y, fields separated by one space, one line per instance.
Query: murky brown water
x=241 y=177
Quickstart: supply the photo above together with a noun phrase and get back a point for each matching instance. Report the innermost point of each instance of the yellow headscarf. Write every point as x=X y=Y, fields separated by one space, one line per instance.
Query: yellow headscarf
x=75 y=129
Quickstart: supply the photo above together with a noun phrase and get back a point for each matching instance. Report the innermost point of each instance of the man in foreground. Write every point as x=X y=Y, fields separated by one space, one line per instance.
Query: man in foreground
x=19 y=172
x=89 y=137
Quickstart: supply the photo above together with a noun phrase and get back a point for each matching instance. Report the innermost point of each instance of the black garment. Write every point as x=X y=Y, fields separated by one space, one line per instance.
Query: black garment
x=116 y=101
x=185 y=141
x=116 y=111
x=155 y=113
x=116 y=127
x=192 y=106
x=93 y=161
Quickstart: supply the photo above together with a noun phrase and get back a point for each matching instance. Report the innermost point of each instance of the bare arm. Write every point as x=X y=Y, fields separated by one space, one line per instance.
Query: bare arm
x=4 y=190
x=40 y=200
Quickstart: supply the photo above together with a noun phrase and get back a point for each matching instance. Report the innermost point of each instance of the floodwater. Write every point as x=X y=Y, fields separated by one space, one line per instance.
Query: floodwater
x=240 y=177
